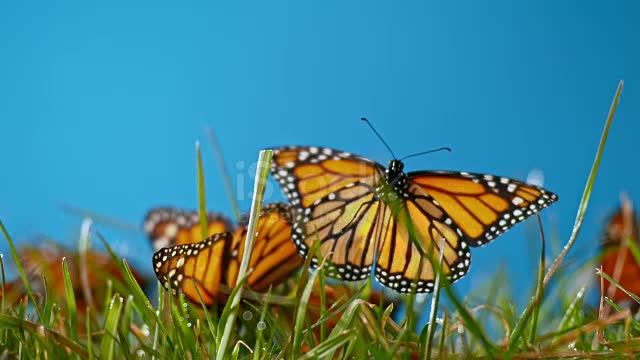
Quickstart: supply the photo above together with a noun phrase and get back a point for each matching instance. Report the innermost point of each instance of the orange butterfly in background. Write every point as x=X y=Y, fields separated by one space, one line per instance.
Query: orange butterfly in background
x=617 y=259
x=364 y=214
x=45 y=260
x=14 y=292
x=210 y=266
x=168 y=226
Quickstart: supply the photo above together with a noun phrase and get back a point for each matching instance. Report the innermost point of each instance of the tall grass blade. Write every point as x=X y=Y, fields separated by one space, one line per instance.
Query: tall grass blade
x=23 y=275
x=582 y=208
x=262 y=173
x=431 y=327
x=217 y=150
x=112 y=317
x=88 y=329
x=71 y=301
x=301 y=315
x=202 y=202
x=539 y=286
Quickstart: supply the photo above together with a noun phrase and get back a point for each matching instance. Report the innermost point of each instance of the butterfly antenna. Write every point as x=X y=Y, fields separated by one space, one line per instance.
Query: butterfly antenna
x=426 y=152
x=379 y=137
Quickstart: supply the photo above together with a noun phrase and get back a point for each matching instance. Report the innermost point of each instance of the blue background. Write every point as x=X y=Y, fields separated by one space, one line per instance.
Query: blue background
x=101 y=104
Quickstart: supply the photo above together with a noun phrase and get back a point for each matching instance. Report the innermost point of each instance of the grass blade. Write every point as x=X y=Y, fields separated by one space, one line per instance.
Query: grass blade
x=108 y=344
x=300 y=315
x=89 y=340
x=262 y=173
x=217 y=150
x=202 y=202
x=37 y=330
x=582 y=208
x=23 y=275
x=71 y=301
x=431 y=327
x=539 y=286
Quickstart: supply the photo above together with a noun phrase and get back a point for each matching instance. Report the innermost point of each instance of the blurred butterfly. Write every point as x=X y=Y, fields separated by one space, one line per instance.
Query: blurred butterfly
x=168 y=226
x=210 y=267
x=364 y=213
x=617 y=259
x=46 y=259
x=13 y=293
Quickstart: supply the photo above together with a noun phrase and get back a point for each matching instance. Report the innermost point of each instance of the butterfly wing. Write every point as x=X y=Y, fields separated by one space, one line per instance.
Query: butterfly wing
x=170 y=226
x=617 y=260
x=412 y=237
x=333 y=196
x=274 y=257
x=482 y=206
x=194 y=268
x=207 y=266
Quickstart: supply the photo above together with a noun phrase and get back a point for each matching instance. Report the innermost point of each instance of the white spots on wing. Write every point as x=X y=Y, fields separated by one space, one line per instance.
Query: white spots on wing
x=171 y=230
x=161 y=242
x=511 y=188
x=180 y=262
x=517 y=200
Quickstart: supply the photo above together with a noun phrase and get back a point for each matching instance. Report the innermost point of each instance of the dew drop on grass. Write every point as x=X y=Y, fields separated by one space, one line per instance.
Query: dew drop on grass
x=189 y=324
x=261 y=325
x=247 y=315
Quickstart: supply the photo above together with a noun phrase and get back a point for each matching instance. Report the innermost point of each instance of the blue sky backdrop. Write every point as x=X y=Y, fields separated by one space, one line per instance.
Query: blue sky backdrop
x=101 y=103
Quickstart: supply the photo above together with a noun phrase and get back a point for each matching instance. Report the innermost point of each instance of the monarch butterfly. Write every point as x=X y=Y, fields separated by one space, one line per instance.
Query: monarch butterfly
x=364 y=213
x=617 y=259
x=213 y=264
x=14 y=292
x=47 y=259
x=168 y=226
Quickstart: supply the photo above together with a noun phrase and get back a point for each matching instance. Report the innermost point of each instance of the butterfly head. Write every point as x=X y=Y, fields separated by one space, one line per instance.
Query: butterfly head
x=395 y=166
x=394 y=171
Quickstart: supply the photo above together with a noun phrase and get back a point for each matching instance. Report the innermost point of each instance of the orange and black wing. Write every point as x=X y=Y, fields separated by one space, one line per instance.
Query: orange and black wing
x=333 y=194
x=169 y=226
x=482 y=206
x=195 y=268
x=274 y=257
x=413 y=238
x=207 y=266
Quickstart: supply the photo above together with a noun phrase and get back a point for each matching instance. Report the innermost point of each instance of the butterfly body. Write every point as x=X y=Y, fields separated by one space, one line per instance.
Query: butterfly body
x=366 y=215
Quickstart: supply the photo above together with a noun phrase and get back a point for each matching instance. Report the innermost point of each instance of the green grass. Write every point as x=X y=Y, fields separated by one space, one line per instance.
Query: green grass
x=555 y=323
